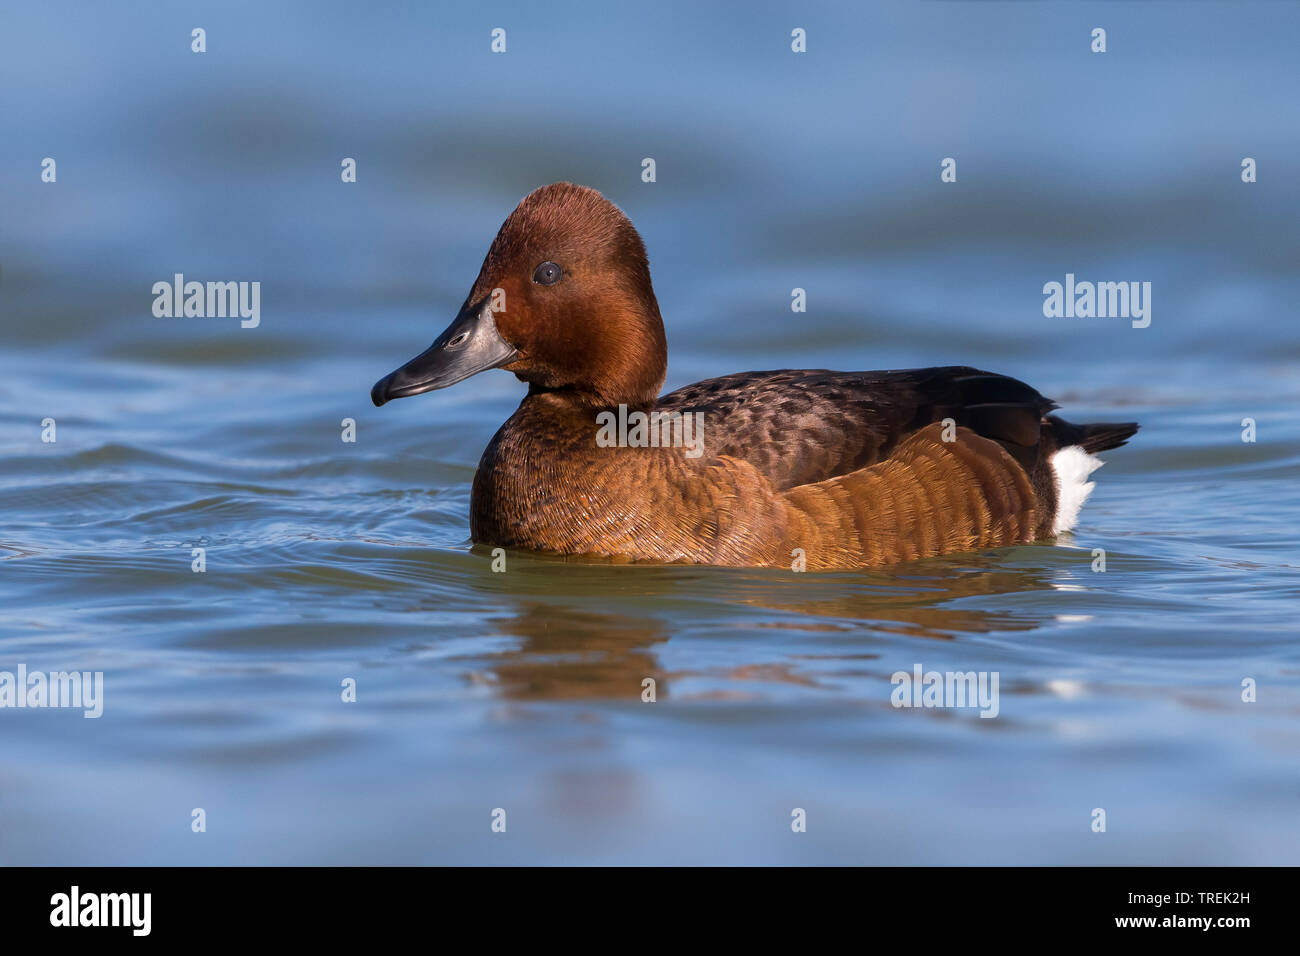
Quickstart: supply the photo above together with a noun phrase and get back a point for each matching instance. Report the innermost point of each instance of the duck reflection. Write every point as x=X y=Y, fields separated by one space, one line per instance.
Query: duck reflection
x=569 y=652
x=917 y=602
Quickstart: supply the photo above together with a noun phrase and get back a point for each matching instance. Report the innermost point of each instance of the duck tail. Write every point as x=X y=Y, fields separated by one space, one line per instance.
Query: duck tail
x=1102 y=436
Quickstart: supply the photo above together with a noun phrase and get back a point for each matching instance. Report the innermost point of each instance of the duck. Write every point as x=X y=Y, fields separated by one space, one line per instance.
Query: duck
x=798 y=469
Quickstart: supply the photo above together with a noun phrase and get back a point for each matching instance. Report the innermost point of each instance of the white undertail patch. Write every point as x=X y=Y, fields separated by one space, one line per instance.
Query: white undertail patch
x=1072 y=466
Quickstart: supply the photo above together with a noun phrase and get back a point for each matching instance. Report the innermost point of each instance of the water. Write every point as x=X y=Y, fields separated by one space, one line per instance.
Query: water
x=522 y=691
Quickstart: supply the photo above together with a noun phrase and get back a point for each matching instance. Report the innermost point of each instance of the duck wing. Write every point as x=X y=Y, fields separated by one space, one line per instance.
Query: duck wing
x=796 y=427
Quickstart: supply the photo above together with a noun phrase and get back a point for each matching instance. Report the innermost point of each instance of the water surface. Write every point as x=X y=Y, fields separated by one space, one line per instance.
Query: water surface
x=522 y=690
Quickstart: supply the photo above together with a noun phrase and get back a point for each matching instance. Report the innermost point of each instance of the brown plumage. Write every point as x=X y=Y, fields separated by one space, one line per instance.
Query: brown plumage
x=838 y=469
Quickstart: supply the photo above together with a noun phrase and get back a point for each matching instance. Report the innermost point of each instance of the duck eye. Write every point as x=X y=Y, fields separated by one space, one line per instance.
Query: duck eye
x=548 y=273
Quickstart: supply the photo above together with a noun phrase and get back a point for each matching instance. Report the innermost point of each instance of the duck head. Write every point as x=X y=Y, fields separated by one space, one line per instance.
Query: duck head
x=563 y=300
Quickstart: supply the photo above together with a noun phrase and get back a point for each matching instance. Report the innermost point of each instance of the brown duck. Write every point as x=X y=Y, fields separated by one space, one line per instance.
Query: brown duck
x=806 y=468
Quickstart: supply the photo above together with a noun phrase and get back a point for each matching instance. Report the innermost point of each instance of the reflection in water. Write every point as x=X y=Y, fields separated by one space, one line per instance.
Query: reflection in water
x=913 y=601
x=568 y=652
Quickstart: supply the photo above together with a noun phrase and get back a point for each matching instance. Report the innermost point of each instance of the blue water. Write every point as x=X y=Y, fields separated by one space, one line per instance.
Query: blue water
x=328 y=560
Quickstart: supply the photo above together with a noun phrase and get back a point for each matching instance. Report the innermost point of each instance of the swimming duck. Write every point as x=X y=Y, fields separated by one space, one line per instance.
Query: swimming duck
x=809 y=469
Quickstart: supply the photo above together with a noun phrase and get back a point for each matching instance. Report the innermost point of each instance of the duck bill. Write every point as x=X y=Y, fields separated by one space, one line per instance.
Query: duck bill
x=471 y=344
